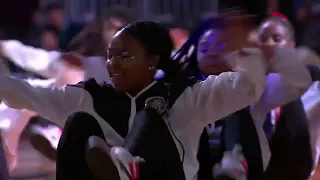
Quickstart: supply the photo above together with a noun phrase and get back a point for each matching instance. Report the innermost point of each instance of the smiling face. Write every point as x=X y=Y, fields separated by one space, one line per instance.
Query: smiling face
x=211 y=50
x=128 y=63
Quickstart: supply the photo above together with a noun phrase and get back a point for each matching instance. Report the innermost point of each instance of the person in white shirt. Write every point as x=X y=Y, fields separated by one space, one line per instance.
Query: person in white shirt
x=278 y=32
x=287 y=131
x=65 y=67
x=215 y=44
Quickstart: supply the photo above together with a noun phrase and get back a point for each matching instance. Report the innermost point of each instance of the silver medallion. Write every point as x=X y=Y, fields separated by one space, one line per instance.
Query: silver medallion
x=158 y=103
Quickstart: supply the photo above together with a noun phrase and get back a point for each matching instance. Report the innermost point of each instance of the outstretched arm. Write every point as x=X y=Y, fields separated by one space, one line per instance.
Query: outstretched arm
x=53 y=103
x=45 y=63
x=219 y=96
x=288 y=82
x=56 y=104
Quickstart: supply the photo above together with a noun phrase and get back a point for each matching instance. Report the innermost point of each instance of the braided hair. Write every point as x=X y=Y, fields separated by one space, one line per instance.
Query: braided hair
x=157 y=41
x=188 y=52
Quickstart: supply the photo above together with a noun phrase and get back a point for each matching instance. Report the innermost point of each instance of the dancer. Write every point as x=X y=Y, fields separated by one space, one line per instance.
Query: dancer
x=139 y=142
x=309 y=99
x=289 y=137
x=207 y=66
x=292 y=132
x=135 y=34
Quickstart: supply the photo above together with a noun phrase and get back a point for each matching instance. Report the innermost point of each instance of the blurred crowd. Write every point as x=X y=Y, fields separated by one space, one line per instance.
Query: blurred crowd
x=53 y=29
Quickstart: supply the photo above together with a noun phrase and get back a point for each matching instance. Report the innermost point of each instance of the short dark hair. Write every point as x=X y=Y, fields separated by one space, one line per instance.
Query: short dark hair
x=283 y=22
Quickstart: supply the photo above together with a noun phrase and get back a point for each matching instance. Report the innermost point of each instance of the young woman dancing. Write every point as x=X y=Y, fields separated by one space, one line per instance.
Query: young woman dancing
x=287 y=131
x=137 y=145
x=215 y=45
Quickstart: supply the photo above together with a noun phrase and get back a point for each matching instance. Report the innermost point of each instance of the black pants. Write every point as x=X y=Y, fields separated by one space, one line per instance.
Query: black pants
x=290 y=148
x=149 y=138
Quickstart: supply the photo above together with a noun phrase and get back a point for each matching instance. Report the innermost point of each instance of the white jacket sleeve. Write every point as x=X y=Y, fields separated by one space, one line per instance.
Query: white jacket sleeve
x=219 y=96
x=311 y=103
x=53 y=103
x=45 y=63
x=290 y=80
x=11 y=117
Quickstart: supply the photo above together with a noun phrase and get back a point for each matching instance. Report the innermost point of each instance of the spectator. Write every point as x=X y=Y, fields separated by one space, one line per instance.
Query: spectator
x=89 y=42
x=66 y=30
x=32 y=34
x=114 y=18
x=49 y=39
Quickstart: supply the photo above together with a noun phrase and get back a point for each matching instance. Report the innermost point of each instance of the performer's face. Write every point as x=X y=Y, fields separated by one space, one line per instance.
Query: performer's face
x=128 y=63
x=273 y=34
x=211 y=50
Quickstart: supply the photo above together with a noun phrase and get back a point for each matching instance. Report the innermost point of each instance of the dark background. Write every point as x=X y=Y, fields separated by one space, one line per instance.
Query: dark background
x=16 y=16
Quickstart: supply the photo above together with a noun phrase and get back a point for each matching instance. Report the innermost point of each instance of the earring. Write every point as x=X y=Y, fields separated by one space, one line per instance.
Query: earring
x=151 y=68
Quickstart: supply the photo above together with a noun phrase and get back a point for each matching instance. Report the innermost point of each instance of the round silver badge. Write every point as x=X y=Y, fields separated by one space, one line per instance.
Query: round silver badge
x=158 y=103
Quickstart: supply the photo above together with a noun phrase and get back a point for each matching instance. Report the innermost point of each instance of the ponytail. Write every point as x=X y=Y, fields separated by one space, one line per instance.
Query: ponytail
x=170 y=67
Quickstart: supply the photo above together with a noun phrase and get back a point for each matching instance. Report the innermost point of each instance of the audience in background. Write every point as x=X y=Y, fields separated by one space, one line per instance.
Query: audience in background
x=49 y=39
x=114 y=18
x=66 y=30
